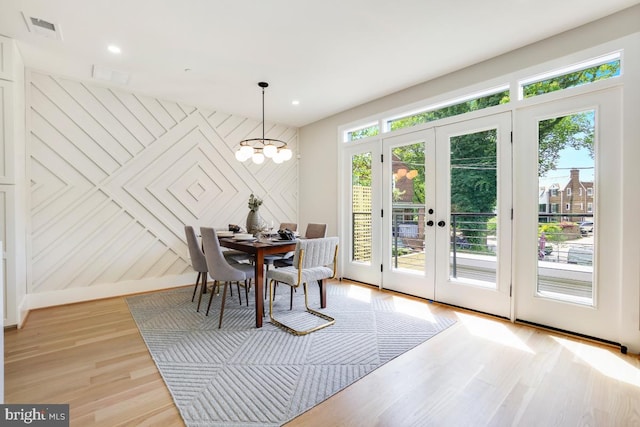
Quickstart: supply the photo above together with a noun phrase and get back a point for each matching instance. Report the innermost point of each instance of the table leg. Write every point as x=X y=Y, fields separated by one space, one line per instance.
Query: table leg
x=259 y=277
x=323 y=294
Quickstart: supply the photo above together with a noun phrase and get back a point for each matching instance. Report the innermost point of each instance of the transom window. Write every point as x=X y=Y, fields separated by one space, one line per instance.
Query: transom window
x=454 y=107
x=575 y=75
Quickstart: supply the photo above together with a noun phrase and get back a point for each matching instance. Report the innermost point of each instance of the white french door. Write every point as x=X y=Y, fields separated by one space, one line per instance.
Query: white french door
x=361 y=213
x=437 y=223
x=408 y=184
x=568 y=275
x=473 y=201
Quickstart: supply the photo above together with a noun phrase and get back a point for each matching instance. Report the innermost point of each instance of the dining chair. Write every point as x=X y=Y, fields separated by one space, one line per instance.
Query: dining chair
x=220 y=270
x=314 y=231
x=314 y=260
x=270 y=259
x=198 y=262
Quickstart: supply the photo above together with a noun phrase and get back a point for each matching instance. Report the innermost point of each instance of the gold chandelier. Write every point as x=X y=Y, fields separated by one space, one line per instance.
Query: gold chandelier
x=257 y=149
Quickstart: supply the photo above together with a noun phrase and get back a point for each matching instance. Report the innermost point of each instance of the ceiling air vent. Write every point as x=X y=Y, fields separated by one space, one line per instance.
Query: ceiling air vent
x=42 y=27
x=113 y=76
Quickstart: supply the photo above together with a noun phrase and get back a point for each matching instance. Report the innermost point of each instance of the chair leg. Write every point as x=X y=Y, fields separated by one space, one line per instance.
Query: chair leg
x=203 y=288
x=195 y=288
x=291 y=299
x=247 y=285
x=266 y=285
x=224 y=297
x=210 y=298
x=329 y=320
x=239 y=294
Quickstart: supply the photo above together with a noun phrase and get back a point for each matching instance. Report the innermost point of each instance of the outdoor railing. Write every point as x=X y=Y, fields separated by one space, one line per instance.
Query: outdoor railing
x=561 y=239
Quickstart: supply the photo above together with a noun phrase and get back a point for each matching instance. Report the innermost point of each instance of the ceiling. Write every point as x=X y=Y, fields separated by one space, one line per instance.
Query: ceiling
x=330 y=55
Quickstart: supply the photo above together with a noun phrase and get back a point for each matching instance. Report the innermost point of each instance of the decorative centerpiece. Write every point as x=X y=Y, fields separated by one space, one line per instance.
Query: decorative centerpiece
x=254 y=222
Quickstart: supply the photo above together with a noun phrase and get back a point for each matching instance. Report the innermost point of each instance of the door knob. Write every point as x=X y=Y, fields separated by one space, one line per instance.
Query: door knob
x=430 y=223
x=441 y=223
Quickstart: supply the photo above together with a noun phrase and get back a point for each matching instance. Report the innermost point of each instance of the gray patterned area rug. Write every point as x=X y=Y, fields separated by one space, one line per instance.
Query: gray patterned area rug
x=243 y=376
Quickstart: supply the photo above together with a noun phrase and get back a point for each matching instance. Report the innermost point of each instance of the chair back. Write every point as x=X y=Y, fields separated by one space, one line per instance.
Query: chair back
x=316 y=231
x=198 y=261
x=219 y=268
x=289 y=226
x=317 y=252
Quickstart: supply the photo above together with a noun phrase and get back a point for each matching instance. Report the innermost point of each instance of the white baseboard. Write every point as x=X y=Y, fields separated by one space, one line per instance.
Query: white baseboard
x=107 y=290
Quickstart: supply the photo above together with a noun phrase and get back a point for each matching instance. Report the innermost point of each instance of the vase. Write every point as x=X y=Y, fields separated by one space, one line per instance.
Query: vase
x=253 y=222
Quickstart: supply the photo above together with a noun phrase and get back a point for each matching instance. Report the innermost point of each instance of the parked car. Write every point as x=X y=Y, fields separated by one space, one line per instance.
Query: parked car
x=586 y=227
x=581 y=255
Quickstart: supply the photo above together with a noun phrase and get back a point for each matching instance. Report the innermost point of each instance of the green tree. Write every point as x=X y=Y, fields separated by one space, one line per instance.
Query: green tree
x=474 y=172
x=576 y=130
x=361 y=169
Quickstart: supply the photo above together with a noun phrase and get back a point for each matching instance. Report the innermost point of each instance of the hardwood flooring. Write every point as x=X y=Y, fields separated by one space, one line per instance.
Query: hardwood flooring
x=480 y=372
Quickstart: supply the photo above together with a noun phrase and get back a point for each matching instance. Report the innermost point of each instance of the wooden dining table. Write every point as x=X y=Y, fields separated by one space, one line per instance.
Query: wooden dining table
x=259 y=249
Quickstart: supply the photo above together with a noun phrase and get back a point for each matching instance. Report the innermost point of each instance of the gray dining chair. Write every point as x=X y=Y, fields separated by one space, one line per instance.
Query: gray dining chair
x=314 y=260
x=220 y=270
x=269 y=260
x=314 y=231
x=198 y=262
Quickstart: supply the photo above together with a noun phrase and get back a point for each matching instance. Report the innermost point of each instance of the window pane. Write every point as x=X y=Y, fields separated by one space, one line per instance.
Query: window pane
x=361 y=207
x=573 y=79
x=565 y=229
x=363 y=133
x=451 y=110
x=408 y=186
x=474 y=198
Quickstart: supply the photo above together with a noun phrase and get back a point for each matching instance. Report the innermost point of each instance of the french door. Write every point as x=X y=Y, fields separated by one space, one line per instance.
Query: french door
x=438 y=220
x=361 y=219
x=568 y=211
x=473 y=222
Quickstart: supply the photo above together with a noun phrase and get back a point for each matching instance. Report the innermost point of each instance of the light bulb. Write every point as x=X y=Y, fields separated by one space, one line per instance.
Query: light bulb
x=247 y=151
x=240 y=157
x=286 y=154
x=257 y=158
x=269 y=150
x=277 y=158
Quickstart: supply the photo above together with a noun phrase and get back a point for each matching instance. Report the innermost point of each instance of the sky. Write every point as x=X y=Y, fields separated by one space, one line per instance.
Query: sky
x=570 y=158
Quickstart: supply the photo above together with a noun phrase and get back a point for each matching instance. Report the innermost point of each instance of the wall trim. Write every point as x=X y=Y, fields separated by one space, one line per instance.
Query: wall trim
x=106 y=290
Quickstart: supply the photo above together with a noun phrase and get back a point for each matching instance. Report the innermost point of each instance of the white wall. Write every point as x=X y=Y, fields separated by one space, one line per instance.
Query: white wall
x=319 y=141
x=116 y=175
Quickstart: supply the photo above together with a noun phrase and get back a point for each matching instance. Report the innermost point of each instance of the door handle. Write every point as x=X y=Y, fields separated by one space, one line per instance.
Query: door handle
x=430 y=223
x=441 y=223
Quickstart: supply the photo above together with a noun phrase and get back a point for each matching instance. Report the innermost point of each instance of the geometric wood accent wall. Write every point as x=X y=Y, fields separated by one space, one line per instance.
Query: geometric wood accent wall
x=116 y=175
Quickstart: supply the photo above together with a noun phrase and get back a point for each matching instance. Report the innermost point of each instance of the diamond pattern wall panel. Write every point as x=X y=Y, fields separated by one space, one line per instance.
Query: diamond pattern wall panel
x=116 y=175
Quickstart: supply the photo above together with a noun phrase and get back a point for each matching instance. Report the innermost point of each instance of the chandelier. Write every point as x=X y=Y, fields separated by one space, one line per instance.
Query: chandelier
x=257 y=149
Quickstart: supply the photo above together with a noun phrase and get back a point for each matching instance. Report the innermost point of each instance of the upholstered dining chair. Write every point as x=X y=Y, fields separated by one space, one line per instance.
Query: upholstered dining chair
x=314 y=231
x=198 y=262
x=314 y=260
x=270 y=259
x=220 y=270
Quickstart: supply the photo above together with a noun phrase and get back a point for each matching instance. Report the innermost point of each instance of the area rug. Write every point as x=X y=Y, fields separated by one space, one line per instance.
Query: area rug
x=240 y=375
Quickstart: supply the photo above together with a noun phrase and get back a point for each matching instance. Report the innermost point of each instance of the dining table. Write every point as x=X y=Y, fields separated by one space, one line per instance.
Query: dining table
x=259 y=248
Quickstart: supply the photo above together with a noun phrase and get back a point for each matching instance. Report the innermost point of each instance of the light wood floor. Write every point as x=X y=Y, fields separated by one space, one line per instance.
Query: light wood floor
x=481 y=371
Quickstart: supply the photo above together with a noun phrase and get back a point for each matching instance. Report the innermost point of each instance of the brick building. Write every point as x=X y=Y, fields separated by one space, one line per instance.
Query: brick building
x=576 y=197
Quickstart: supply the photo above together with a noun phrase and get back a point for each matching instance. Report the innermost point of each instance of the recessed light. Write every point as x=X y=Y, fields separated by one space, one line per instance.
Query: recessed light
x=113 y=48
x=295 y=102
